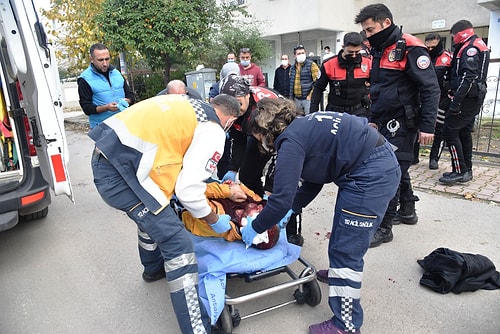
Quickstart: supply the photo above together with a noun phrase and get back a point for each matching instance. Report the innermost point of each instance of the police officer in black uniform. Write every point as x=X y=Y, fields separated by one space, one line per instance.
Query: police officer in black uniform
x=441 y=59
x=405 y=93
x=348 y=75
x=469 y=70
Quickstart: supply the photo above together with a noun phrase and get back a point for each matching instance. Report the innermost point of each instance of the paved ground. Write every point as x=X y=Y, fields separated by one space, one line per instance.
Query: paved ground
x=484 y=186
x=463 y=218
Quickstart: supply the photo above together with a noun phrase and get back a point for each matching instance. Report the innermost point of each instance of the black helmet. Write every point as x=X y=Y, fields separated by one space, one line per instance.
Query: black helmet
x=234 y=85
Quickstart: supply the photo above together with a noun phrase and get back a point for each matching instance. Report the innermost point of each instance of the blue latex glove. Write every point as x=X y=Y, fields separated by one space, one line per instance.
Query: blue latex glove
x=230 y=175
x=282 y=223
x=248 y=233
x=122 y=104
x=222 y=225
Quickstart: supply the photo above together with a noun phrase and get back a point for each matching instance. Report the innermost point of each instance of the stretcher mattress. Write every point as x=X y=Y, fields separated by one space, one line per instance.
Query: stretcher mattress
x=218 y=257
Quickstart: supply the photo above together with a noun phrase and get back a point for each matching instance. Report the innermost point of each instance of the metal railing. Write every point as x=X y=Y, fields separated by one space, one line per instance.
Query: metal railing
x=486 y=136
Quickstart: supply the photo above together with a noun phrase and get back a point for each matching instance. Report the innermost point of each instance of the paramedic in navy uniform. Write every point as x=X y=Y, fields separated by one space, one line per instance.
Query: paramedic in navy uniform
x=320 y=148
x=160 y=145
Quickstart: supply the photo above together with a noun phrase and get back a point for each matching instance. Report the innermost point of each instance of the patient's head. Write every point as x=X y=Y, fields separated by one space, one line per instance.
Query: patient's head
x=273 y=233
x=252 y=210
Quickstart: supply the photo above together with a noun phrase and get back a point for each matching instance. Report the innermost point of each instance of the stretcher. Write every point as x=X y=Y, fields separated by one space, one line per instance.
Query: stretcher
x=219 y=260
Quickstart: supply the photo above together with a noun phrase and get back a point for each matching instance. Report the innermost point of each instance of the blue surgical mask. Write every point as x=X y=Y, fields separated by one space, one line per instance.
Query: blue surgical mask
x=245 y=62
x=230 y=60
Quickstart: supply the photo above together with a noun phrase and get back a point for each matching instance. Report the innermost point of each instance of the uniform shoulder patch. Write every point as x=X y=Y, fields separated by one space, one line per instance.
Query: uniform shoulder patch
x=211 y=165
x=423 y=62
x=471 y=52
x=444 y=59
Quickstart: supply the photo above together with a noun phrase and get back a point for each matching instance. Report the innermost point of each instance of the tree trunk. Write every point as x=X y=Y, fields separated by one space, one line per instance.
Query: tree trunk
x=166 y=73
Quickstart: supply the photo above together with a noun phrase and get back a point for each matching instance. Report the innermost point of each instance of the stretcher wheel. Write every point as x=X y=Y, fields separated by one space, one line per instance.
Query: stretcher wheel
x=313 y=293
x=227 y=321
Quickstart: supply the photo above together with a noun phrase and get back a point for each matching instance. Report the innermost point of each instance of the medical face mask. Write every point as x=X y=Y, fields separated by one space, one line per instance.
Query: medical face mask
x=245 y=62
x=301 y=58
x=284 y=63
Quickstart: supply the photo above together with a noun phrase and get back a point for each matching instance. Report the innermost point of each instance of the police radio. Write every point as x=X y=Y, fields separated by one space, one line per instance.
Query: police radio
x=399 y=52
x=336 y=85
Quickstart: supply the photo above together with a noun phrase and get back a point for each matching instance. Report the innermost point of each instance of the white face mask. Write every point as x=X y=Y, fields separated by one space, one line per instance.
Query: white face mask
x=284 y=63
x=301 y=58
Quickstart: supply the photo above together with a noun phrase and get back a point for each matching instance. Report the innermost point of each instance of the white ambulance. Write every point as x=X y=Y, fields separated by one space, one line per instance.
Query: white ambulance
x=33 y=152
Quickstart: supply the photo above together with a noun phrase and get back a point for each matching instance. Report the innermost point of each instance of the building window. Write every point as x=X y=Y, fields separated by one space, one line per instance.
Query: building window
x=237 y=2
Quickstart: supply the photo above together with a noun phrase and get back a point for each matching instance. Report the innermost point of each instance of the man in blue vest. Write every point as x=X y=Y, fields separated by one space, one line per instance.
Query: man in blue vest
x=302 y=77
x=102 y=89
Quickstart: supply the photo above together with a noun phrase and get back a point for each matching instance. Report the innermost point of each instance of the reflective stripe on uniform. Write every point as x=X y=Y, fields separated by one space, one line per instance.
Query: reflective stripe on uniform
x=193 y=307
x=145 y=241
x=344 y=291
x=143 y=234
x=147 y=246
x=345 y=273
x=180 y=261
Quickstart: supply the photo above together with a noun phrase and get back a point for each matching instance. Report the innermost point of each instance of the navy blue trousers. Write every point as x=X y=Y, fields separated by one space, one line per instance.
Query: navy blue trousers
x=362 y=200
x=172 y=240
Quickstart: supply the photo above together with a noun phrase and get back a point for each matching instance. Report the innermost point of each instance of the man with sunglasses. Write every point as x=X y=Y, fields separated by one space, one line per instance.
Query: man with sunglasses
x=101 y=87
x=348 y=75
x=249 y=70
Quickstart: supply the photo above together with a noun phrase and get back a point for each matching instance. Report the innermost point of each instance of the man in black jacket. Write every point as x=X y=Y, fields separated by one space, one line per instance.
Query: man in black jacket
x=469 y=70
x=282 y=77
x=405 y=93
x=441 y=59
x=348 y=75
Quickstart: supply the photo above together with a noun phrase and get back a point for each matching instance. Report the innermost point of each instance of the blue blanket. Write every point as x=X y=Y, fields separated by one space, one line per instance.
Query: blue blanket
x=217 y=257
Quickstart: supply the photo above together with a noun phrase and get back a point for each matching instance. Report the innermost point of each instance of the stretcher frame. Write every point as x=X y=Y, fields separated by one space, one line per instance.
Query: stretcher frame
x=307 y=292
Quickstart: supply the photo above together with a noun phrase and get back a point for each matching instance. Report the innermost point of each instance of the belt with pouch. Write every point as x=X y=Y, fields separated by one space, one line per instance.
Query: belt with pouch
x=347 y=108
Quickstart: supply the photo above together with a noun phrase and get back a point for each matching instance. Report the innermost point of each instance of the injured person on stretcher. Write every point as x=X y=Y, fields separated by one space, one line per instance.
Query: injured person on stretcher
x=239 y=202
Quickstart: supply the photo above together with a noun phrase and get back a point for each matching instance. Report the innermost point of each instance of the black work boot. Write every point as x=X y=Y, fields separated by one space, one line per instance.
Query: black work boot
x=433 y=163
x=383 y=234
x=406 y=214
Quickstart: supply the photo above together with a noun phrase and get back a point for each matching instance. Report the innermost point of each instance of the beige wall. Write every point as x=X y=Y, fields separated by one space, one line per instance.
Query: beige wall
x=416 y=16
x=284 y=16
